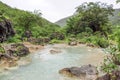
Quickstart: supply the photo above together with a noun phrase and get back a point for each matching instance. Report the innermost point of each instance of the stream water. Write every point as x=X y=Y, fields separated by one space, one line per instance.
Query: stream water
x=45 y=66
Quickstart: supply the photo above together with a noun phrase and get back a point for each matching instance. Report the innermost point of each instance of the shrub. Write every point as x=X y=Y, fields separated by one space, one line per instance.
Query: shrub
x=112 y=61
x=103 y=43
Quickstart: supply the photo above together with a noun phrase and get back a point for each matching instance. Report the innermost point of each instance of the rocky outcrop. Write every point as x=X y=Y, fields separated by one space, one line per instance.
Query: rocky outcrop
x=84 y=72
x=18 y=50
x=13 y=51
x=6 y=30
x=115 y=75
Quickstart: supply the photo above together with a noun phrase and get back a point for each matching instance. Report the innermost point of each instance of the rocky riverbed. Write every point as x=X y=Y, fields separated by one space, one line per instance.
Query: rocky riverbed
x=50 y=59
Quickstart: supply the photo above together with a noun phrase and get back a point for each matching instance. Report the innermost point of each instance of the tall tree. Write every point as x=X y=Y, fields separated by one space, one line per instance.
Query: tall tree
x=92 y=15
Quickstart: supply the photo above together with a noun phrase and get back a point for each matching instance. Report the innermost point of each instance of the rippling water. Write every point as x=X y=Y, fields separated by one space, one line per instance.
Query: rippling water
x=45 y=66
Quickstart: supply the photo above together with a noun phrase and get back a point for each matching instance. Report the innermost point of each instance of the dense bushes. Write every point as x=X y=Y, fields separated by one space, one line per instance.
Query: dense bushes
x=95 y=39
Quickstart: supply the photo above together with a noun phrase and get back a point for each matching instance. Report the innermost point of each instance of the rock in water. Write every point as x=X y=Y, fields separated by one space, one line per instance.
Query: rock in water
x=55 y=51
x=87 y=72
x=6 y=30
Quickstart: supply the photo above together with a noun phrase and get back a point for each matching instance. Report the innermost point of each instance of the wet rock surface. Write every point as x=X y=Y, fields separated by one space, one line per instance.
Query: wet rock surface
x=13 y=52
x=87 y=72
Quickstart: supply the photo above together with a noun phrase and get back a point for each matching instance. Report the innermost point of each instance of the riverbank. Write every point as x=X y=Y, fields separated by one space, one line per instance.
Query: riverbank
x=9 y=59
x=94 y=58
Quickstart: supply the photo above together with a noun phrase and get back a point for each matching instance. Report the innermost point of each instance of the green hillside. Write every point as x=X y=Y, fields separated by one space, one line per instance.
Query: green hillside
x=113 y=19
x=27 y=21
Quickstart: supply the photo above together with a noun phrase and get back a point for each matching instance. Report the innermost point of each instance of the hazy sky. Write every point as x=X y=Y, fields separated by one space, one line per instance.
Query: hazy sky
x=53 y=10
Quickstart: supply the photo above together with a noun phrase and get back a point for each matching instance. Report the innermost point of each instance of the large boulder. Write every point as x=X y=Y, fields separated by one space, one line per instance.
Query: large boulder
x=6 y=30
x=84 y=72
x=18 y=50
x=13 y=51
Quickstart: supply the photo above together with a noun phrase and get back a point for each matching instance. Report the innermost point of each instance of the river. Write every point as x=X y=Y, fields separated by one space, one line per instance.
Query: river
x=45 y=66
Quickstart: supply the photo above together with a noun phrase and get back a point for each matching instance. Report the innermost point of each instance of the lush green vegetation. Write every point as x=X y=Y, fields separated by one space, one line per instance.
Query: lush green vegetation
x=91 y=23
x=27 y=24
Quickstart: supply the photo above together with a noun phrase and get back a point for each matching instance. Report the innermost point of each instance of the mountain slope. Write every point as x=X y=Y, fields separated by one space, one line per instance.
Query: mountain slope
x=62 y=22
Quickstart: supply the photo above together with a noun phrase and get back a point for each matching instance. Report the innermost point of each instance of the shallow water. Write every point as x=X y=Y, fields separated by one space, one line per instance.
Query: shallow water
x=45 y=66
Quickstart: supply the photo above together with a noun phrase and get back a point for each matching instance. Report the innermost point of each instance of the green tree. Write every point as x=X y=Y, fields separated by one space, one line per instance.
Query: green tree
x=91 y=15
x=26 y=20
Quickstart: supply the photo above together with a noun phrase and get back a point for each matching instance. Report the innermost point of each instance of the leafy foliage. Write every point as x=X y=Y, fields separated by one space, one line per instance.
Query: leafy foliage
x=112 y=61
x=90 y=15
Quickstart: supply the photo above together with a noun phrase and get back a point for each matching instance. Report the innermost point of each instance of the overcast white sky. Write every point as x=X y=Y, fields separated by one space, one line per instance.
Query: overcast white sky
x=53 y=10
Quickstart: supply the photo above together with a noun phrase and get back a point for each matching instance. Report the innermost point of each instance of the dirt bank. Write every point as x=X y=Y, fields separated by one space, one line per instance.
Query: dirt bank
x=33 y=48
